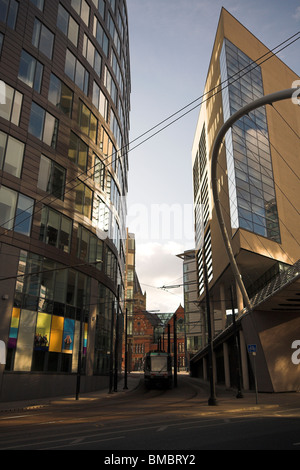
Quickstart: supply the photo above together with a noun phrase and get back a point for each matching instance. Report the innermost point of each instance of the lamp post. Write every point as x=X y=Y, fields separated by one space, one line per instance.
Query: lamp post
x=125 y=355
x=111 y=358
x=175 y=348
x=117 y=341
x=239 y=392
x=212 y=401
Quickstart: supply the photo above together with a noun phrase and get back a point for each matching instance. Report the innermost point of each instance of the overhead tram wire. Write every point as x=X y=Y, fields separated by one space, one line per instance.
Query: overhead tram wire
x=254 y=64
x=219 y=88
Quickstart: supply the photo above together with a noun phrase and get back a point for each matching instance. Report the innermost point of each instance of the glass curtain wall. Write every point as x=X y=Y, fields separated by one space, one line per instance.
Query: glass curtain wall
x=250 y=176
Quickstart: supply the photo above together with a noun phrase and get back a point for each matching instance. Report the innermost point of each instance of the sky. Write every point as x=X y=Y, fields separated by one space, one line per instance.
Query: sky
x=170 y=48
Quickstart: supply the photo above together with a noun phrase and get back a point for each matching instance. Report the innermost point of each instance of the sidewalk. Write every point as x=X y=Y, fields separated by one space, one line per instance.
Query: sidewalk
x=133 y=381
x=225 y=399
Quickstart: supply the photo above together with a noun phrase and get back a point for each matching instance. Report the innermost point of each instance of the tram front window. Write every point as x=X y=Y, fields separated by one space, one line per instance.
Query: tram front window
x=159 y=364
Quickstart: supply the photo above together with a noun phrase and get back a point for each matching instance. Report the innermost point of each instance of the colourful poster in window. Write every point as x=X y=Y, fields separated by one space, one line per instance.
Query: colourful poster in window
x=14 y=327
x=85 y=338
x=57 y=328
x=42 y=333
x=68 y=336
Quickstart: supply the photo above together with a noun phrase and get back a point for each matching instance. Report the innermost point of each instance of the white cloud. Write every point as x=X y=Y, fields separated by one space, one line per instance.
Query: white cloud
x=157 y=265
x=296 y=15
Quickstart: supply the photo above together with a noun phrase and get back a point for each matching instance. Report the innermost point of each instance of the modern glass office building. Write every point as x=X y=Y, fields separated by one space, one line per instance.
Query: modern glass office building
x=257 y=185
x=64 y=125
x=250 y=174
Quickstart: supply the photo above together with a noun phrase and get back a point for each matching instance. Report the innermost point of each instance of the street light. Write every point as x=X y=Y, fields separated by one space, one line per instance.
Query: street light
x=125 y=356
x=212 y=399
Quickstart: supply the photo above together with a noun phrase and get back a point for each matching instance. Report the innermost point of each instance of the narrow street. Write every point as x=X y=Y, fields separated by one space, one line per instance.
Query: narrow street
x=177 y=420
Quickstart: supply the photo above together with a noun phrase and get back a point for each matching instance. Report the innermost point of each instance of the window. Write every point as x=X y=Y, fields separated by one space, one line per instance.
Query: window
x=112 y=5
x=52 y=177
x=56 y=229
x=39 y=4
x=114 y=33
x=117 y=70
x=110 y=85
x=101 y=36
x=115 y=128
x=87 y=122
x=92 y=55
x=43 y=125
x=78 y=151
x=82 y=9
x=9 y=12
x=83 y=199
x=11 y=108
x=43 y=39
x=30 y=71
x=101 y=216
x=67 y=25
x=100 y=101
x=130 y=275
x=89 y=247
x=11 y=154
x=15 y=211
x=100 y=5
x=196 y=178
x=76 y=72
x=202 y=153
x=60 y=95
x=248 y=153
x=111 y=265
x=99 y=169
x=112 y=190
x=53 y=304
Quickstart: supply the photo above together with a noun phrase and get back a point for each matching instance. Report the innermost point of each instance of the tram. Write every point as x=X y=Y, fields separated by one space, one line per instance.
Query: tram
x=158 y=369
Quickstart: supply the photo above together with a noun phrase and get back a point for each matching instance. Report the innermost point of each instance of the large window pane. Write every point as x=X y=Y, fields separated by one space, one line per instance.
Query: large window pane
x=30 y=71
x=36 y=123
x=58 y=181
x=43 y=125
x=39 y=4
x=8 y=12
x=70 y=65
x=24 y=215
x=44 y=180
x=51 y=177
x=49 y=129
x=14 y=157
x=63 y=19
x=16 y=109
x=53 y=228
x=8 y=202
x=78 y=151
x=3 y=140
x=65 y=234
x=43 y=39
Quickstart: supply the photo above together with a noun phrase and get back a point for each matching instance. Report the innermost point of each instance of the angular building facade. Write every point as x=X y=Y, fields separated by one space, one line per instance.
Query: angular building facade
x=258 y=186
x=192 y=318
x=64 y=125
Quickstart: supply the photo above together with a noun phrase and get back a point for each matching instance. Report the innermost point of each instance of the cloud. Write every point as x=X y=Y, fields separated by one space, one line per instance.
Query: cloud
x=296 y=15
x=157 y=265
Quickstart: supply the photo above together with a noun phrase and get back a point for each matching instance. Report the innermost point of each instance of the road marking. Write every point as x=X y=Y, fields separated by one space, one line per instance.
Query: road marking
x=88 y=442
x=13 y=417
x=162 y=428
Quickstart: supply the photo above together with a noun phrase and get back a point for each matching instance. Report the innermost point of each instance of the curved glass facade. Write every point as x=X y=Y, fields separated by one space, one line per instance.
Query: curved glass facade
x=64 y=125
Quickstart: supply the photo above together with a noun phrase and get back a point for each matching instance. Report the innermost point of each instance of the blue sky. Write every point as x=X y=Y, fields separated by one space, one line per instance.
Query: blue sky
x=170 y=48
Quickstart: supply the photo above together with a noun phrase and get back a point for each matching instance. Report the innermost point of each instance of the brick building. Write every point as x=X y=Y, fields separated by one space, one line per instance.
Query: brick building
x=144 y=337
x=181 y=336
